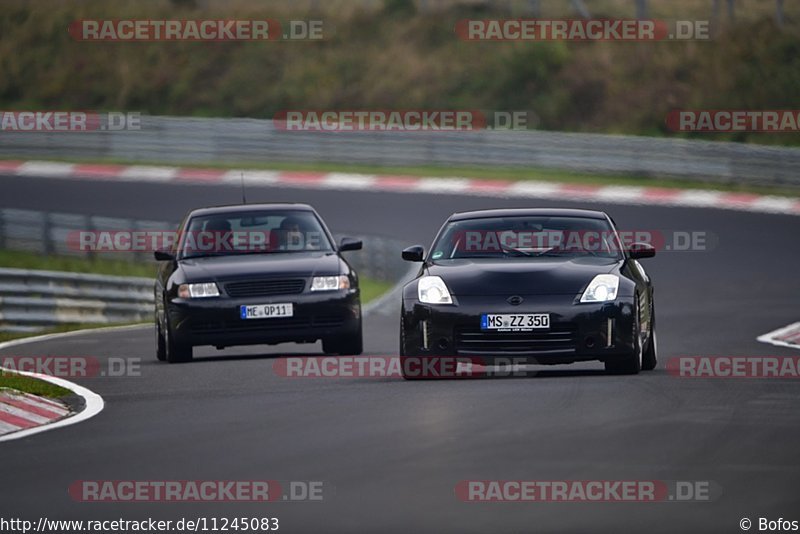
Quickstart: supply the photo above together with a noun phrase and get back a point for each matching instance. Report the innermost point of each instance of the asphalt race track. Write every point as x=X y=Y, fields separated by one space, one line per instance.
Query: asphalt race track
x=390 y=452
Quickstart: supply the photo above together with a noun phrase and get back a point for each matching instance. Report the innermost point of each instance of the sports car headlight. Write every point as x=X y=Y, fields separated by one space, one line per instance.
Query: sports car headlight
x=431 y=290
x=330 y=283
x=602 y=288
x=193 y=291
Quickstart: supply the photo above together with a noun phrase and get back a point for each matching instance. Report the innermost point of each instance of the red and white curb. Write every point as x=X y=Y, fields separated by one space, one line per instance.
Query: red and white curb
x=787 y=336
x=93 y=403
x=20 y=411
x=613 y=194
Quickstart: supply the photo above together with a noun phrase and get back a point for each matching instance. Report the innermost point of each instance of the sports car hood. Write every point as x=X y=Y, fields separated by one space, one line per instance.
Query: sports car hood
x=520 y=276
x=297 y=264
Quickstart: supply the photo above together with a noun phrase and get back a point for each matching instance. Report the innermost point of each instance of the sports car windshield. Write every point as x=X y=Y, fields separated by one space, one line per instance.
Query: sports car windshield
x=253 y=232
x=527 y=237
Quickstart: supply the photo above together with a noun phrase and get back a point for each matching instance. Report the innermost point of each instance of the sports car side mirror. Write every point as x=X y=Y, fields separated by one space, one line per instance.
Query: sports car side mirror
x=348 y=243
x=163 y=255
x=638 y=251
x=415 y=253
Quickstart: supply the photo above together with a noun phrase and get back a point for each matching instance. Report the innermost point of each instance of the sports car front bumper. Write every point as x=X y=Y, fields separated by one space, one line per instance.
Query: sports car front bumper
x=577 y=331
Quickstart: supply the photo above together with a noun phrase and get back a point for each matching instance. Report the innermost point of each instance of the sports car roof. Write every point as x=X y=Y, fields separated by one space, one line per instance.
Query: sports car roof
x=517 y=212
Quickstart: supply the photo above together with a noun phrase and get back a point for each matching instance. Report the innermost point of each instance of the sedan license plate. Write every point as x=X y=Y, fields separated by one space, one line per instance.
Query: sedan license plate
x=266 y=311
x=517 y=322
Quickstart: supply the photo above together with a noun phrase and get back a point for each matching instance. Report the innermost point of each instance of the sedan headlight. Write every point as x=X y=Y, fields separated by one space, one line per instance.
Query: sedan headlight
x=432 y=290
x=330 y=283
x=201 y=290
x=602 y=288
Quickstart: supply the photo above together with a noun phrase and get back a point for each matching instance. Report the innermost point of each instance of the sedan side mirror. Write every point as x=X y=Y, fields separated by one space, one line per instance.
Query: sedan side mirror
x=164 y=255
x=415 y=253
x=348 y=243
x=638 y=251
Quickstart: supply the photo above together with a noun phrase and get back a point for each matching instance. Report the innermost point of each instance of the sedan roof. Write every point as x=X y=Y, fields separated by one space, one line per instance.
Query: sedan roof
x=521 y=212
x=242 y=208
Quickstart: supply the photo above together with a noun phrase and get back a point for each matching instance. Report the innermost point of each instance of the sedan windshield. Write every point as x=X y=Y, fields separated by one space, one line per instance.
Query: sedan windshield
x=527 y=237
x=253 y=232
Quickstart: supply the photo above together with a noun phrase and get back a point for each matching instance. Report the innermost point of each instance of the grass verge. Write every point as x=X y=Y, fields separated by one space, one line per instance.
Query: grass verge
x=60 y=329
x=372 y=289
x=34 y=386
x=74 y=264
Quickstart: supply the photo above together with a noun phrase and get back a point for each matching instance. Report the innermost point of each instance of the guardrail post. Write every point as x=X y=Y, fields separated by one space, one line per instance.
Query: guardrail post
x=89 y=227
x=47 y=226
x=581 y=8
x=2 y=229
x=641 y=9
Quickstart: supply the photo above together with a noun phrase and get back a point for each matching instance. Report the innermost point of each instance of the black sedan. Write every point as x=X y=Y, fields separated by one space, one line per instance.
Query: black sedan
x=256 y=274
x=530 y=286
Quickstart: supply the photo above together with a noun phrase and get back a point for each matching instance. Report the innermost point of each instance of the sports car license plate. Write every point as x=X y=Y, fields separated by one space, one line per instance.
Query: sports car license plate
x=266 y=311
x=518 y=322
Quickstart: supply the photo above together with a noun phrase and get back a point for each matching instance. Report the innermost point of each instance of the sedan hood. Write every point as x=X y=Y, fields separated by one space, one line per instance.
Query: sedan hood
x=296 y=264
x=551 y=276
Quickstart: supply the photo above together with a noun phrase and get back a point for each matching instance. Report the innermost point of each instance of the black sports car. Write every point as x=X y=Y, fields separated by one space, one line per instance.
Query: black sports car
x=256 y=274
x=530 y=286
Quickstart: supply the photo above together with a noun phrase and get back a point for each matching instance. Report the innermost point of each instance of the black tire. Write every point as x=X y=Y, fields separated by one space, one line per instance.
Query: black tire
x=176 y=353
x=405 y=352
x=650 y=355
x=161 y=345
x=352 y=345
x=631 y=363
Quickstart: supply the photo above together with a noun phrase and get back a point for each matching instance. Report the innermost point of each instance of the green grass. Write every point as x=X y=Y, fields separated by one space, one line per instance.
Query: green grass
x=30 y=385
x=484 y=173
x=75 y=264
x=372 y=289
x=388 y=54
x=71 y=327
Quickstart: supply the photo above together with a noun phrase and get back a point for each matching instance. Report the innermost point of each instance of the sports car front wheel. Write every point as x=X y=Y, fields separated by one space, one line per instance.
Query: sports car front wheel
x=631 y=363
x=650 y=358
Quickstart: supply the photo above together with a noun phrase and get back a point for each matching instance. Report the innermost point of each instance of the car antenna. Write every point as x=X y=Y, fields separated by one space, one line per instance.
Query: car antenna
x=244 y=198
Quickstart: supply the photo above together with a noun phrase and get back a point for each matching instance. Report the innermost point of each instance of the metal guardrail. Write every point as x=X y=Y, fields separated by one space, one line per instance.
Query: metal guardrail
x=51 y=233
x=203 y=140
x=33 y=300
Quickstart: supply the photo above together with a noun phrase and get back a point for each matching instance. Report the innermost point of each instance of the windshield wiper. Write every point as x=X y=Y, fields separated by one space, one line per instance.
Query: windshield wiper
x=512 y=250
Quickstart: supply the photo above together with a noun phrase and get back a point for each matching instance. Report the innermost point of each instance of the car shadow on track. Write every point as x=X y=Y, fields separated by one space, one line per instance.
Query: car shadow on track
x=480 y=373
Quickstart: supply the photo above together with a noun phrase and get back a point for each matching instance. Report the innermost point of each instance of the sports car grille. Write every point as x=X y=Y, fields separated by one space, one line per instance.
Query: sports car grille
x=265 y=288
x=559 y=338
